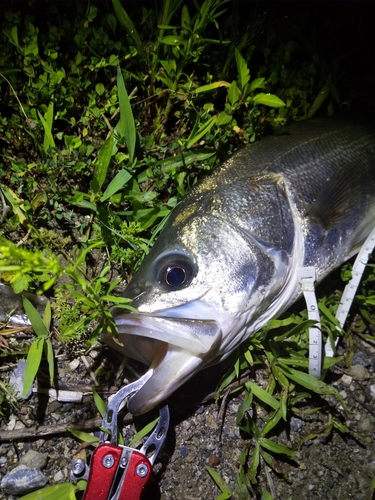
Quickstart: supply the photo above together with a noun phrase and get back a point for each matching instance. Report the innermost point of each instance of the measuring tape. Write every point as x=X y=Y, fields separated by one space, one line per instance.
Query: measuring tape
x=306 y=277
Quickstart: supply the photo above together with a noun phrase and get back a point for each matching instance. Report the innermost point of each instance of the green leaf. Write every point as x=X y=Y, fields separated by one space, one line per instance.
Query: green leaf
x=272 y=422
x=212 y=86
x=112 y=21
x=48 y=138
x=49 y=121
x=101 y=166
x=126 y=125
x=243 y=70
x=220 y=483
x=223 y=119
x=275 y=447
x=187 y=158
x=258 y=83
x=253 y=469
x=99 y=87
x=268 y=100
x=263 y=395
x=47 y=316
x=202 y=131
x=83 y=436
x=127 y=23
x=48 y=352
x=36 y=321
x=233 y=93
x=172 y=40
x=117 y=183
x=266 y=495
x=143 y=432
x=302 y=327
x=33 y=360
x=327 y=313
x=99 y=403
x=320 y=98
x=63 y=491
x=310 y=382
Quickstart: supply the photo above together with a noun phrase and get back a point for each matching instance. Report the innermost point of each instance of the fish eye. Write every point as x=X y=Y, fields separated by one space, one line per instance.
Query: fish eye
x=175 y=272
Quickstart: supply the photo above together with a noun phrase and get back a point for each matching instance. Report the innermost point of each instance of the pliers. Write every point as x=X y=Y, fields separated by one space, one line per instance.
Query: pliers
x=118 y=472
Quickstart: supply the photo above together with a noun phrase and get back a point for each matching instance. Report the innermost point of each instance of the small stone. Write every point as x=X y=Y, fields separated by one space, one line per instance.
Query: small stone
x=22 y=480
x=94 y=354
x=365 y=424
x=34 y=459
x=372 y=390
x=358 y=372
x=345 y=379
x=58 y=477
x=213 y=460
x=11 y=424
x=360 y=358
x=296 y=424
x=186 y=425
x=184 y=452
x=16 y=380
x=73 y=365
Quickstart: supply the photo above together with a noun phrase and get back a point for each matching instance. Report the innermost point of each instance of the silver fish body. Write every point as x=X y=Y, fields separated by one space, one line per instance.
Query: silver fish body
x=226 y=261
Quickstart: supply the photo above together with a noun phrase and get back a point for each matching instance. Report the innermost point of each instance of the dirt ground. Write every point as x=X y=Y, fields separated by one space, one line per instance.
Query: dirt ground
x=338 y=466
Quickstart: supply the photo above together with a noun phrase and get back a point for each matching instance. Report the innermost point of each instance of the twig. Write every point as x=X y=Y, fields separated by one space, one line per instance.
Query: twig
x=5 y=206
x=92 y=374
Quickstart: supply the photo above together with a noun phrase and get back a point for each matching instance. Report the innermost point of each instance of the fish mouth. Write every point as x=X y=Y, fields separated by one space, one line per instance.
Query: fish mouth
x=174 y=349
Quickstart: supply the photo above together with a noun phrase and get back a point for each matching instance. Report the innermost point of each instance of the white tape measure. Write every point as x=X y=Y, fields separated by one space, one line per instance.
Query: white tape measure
x=306 y=276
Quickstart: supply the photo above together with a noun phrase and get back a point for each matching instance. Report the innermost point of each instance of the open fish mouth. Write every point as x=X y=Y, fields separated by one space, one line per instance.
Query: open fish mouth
x=173 y=348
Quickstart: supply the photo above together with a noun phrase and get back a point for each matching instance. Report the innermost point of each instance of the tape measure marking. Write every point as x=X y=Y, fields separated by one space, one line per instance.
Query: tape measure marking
x=306 y=277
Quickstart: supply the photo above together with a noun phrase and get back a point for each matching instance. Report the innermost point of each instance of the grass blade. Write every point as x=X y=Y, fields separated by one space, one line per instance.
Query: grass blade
x=34 y=357
x=263 y=395
x=143 y=432
x=220 y=483
x=36 y=321
x=101 y=167
x=127 y=23
x=126 y=125
x=117 y=183
x=99 y=403
x=48 y=352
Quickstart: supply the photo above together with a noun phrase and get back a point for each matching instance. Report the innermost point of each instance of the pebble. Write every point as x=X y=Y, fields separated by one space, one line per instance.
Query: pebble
x=17 y=379
x=73 y=365
x=58 y=477
x=213 y=460
x=22 y=480
x=360 y=358
x=34 y=459
x=296 y=424
x=358 y=372
x=345 y=379
x=365 y=424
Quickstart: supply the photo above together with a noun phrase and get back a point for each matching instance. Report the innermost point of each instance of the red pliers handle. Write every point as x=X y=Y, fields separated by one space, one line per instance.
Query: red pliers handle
x=119 y=472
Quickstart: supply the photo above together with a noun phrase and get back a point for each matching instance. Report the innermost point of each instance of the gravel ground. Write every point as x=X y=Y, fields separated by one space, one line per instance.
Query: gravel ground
x=339 y=466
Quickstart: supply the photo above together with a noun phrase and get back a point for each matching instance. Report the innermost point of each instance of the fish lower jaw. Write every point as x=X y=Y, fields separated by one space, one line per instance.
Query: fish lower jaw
x=169 y=373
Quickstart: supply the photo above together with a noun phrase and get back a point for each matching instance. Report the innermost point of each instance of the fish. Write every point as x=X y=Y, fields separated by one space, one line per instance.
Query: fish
x=226 y=261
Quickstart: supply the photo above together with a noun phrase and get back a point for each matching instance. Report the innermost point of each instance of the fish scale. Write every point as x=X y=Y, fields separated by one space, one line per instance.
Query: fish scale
x=226 y=261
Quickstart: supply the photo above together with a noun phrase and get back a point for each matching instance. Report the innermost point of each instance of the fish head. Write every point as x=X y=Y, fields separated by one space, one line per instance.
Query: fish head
x=196 y=293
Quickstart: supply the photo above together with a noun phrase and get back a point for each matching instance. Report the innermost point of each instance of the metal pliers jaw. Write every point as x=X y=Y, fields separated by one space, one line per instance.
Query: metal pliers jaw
x=118 y=472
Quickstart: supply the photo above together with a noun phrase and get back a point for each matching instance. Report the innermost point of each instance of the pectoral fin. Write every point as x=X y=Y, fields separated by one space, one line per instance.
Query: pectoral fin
x=342 y=194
